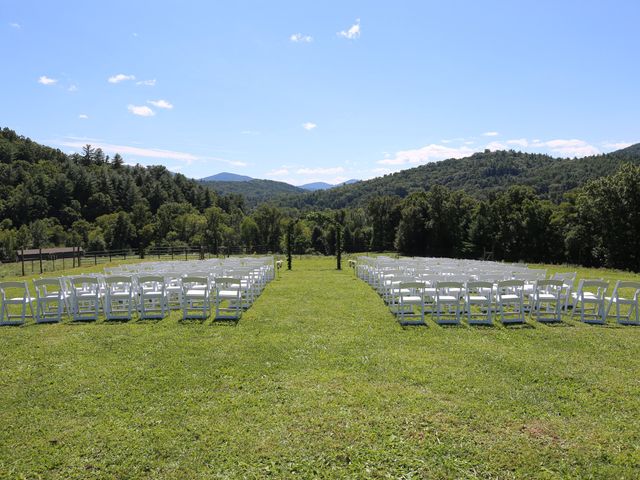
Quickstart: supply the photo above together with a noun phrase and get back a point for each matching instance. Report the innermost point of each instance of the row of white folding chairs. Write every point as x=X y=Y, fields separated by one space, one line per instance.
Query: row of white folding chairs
x=511 y=300
x=118 y=297
x=448 y=301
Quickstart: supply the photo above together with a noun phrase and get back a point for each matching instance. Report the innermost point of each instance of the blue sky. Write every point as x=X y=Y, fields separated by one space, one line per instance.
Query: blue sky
x=307 y=91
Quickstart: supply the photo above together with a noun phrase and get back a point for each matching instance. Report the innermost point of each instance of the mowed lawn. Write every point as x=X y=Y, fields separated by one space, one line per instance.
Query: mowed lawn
x=318 y=380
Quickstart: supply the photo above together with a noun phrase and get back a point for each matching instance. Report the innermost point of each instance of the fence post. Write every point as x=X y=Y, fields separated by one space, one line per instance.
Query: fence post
x=22 y=256
x=79 y=262
x=40 y=257
x=53 y=259
x=186 y=253
x=171 y=253
x=95 y=258
x=73 y=257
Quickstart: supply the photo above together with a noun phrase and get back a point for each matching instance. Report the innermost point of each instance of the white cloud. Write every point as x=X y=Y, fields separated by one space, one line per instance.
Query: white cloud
x=44 y=80
x=320 y=171
x=300 y=38
x=250 y=132
x=617 y=145
x=83 y=116
x=121 y=77
x=568 y=148
x=427 y=154
x=309 y=126
x=15 y=25
x=147 y=83
x=72 y=88
x=279 y=172
x=352 y=32
x=520 y=142
x=155 y=153
x=161 y=104
x=494 y=146
x=141 y=110
x=490 y=134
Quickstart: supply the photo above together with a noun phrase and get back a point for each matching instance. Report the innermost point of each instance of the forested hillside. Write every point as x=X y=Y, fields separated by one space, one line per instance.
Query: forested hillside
x=255 y=191
x=491 y=205
x=480 y=175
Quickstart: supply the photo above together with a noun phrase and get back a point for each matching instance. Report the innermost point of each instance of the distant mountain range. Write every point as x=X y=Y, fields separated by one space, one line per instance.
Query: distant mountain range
x=234 y=177
x=325 y=186
x=226 y=177
x=480 y=175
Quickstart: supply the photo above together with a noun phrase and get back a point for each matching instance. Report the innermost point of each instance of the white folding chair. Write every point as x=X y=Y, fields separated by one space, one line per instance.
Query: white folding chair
x=568 y=280
x=411 y=303
x=173 y=290
x=448 y=302
x=510 y=301
x=85 y=298
x=228 y=298
x=152 y=297
x=630 y=301
x=195 y=297
x=15 y=299
x=119 y=300
x=546 y=304
x=589 y=301
x=51 y=301
x=479 y=295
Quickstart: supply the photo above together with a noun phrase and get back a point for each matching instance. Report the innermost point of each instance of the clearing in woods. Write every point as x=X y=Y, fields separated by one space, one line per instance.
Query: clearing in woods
x=318 y=380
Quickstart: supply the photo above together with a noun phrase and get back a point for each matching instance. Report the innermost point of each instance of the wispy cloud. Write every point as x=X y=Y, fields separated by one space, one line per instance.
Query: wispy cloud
x=72 y=88
x=153 y=153
x=141 y=110
x=320 y=171
x=278 y=172
x=558 y=147
x=495 y=146
x=616 y=145
x=568 y=148
x=308 y=126
x=161 y=104
x=520 y=142
x=250 y=132
x=147 y=83
x=83 y=116
x=121 y=77
x=300 y=38
x=44 y=80
x=427 y=154
x=15 y=25
x=490 y=134
x=352 y=32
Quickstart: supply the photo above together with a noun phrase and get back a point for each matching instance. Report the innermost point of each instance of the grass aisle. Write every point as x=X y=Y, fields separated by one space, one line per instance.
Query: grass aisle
x=318 y=380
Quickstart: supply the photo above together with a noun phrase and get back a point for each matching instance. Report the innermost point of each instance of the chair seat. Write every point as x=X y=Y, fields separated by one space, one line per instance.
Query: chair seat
x=478 y=298
x=509 y=298
x=545 y=296
x=196 y=292
x=228 y=294
x=448 y=299
x=411 y=299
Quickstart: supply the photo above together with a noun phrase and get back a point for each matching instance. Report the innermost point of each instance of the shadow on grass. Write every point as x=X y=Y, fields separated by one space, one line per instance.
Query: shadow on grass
x=225 y=322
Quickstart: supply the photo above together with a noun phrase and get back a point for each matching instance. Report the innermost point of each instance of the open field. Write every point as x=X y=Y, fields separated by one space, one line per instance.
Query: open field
x=319 y=380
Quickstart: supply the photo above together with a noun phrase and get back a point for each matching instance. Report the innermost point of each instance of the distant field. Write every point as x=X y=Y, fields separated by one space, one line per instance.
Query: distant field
x=318 y=380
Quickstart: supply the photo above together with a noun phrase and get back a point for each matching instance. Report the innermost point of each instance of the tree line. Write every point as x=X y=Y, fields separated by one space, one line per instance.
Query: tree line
x=48 y=198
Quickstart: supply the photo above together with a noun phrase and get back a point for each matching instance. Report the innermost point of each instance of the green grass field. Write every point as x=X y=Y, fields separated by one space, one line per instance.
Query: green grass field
x=318 y=380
